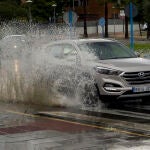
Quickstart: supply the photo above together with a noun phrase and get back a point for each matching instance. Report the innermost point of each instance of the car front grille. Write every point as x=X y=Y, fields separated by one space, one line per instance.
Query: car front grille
x=137 y=77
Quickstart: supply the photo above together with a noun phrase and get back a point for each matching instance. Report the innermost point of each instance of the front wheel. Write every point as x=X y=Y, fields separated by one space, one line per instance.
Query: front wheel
x=87 y=93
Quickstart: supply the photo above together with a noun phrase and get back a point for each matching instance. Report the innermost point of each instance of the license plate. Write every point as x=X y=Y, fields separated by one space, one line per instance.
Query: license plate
x=140 y=89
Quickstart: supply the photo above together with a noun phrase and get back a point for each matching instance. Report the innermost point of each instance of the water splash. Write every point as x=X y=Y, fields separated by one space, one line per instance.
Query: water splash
x=29 y=74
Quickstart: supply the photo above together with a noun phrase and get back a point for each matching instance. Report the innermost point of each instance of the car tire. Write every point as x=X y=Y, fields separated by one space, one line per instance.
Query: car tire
x=87 y=93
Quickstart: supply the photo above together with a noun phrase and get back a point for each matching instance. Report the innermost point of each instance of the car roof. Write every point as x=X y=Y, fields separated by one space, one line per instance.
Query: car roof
x=95 y=40
x=11 y=36
x=81 y=40
x=14 y=37
x=76 y=41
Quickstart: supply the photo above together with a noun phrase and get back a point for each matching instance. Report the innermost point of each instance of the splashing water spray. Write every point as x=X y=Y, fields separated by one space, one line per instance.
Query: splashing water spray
x=28 y=74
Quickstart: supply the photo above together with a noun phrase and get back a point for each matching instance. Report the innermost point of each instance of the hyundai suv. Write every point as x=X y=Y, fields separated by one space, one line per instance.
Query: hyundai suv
x=118 y=73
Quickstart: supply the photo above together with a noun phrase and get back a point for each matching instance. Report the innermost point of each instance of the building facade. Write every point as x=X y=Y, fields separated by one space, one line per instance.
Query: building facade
x=94 y=9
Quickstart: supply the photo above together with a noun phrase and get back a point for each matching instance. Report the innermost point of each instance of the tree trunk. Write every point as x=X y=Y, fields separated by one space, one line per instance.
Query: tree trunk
x=148 y=30
x=126 y=28
x=106 y=20
x=85 y=24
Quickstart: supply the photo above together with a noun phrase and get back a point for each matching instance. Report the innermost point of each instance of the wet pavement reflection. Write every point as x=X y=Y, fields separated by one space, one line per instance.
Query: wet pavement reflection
x=45 y=128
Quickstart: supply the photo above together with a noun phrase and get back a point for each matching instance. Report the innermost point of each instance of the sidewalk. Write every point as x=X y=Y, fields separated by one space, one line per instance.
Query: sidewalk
x=121 y=36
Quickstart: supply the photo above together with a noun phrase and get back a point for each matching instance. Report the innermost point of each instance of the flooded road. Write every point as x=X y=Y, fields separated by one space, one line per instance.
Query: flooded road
x=34 y=127
x=30 y=74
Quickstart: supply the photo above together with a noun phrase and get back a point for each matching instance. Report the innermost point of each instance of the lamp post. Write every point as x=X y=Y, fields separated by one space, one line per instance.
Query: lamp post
x=54 y=5
x=131 y=25
x=30 y=16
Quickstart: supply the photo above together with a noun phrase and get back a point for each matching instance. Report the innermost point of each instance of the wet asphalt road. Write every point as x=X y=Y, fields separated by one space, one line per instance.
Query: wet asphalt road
x=24 y=127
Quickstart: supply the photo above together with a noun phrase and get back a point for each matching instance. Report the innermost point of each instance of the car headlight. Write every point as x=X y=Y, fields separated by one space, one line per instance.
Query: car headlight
x=108 y=71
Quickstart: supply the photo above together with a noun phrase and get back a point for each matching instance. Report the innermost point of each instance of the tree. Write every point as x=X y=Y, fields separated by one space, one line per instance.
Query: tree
x=41 y=10
x=119 y=4
x=11 y=9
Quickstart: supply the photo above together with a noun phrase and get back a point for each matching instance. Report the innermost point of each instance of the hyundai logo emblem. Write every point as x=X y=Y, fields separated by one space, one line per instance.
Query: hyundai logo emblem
x=141 y=74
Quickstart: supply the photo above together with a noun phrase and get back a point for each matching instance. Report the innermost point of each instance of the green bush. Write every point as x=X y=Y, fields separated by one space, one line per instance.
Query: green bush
x=142 y=48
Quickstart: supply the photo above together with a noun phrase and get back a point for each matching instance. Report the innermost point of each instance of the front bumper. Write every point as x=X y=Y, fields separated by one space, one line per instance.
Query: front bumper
x=121 y=90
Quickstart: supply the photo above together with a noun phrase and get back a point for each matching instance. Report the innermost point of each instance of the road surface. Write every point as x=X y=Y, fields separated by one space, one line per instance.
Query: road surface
x=24 y=127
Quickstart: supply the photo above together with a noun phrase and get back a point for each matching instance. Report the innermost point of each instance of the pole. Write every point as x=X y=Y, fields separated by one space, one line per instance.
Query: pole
x=70 y=22
x=54 y=16
x=85 y=24
x=114 y=25
x=30 y=17
x=126 y=27
x=131 y=27
x=123 y=24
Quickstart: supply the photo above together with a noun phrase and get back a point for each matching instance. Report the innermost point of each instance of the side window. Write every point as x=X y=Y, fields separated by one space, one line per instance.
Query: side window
x=69 y=50
x=66 y=53
x=55 y=51
x=70 y=53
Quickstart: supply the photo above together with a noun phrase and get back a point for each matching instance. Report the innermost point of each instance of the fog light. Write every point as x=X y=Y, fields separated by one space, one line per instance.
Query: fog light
x=112 y=87
x=109 y=85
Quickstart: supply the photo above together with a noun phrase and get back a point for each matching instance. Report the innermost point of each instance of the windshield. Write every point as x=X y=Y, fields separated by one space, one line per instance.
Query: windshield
x=107 y=50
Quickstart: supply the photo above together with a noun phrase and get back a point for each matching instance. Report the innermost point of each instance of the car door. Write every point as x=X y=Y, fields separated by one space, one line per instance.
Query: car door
x=64 y=66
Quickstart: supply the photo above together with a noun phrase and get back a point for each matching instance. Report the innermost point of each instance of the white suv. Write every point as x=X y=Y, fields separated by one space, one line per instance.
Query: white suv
x=117 y=73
